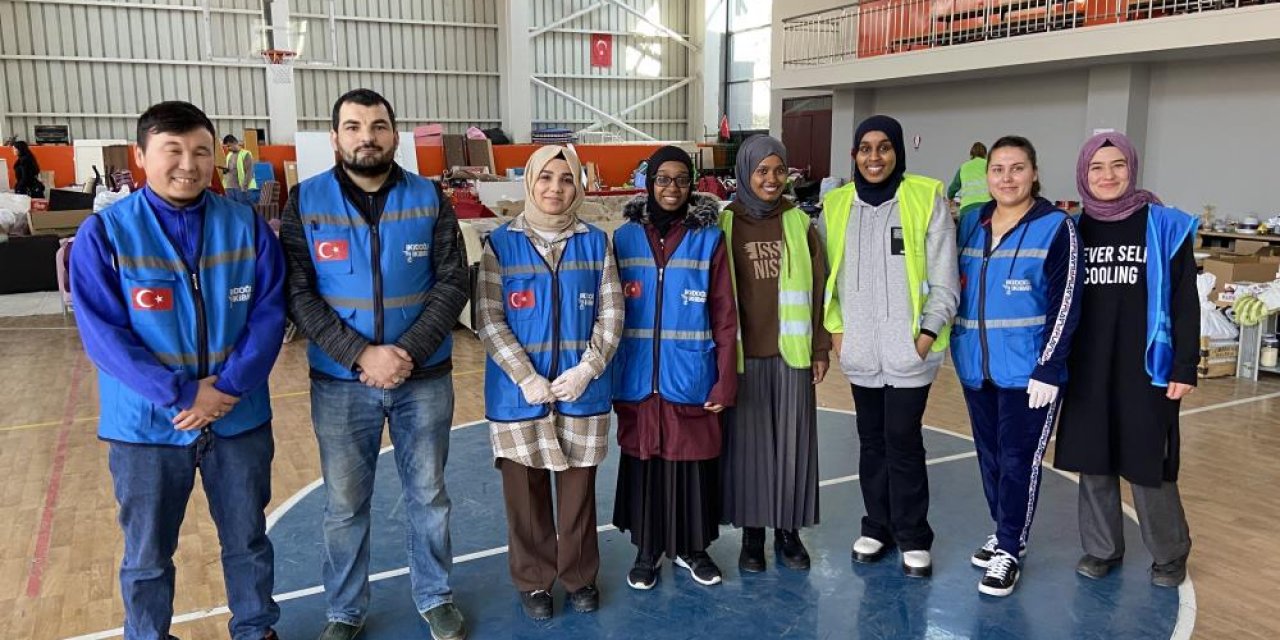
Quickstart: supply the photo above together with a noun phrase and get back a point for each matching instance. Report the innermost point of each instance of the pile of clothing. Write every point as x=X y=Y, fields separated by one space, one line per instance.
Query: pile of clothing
x=553 y=135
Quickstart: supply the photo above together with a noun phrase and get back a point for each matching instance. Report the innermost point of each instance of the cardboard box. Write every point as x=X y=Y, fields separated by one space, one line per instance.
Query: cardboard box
x=290 y=175
x=1230 y=269
x=1217 y=358
x=62 y=223
x=1249 y=247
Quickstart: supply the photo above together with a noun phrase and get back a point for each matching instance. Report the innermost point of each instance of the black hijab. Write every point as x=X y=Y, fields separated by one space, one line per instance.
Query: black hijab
x=659 y=217
x=877 y=194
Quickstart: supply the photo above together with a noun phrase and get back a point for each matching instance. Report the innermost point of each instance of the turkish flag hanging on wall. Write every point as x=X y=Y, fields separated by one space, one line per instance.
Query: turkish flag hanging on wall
x=601 y=50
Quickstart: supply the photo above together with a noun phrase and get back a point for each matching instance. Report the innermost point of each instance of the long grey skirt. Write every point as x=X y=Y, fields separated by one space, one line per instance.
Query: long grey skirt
x=770 y=456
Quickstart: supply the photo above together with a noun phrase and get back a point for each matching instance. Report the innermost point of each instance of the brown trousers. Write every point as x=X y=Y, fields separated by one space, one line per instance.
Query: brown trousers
x=535 y=556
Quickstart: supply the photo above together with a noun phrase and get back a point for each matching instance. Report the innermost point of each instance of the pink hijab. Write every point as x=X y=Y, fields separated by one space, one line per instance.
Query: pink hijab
x=1131 y=200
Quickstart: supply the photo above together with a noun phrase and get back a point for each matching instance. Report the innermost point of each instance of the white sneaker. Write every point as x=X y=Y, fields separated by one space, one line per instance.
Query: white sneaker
x=917 y=564
x=867 y=549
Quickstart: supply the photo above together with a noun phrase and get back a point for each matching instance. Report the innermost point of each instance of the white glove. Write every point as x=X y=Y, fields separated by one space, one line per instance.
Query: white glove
x=537 y=390
x=570 y=385
x=1040 y=394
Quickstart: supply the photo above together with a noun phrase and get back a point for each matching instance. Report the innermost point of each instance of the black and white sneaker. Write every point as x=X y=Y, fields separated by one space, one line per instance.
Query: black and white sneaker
x=701 y=568
x=1002 y=575
x=644 y=573
x=982 y=556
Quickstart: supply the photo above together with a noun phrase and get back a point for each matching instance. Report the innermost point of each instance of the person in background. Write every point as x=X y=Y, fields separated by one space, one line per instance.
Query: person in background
x=1142 y=317
x=1020 y=265
x=770 y=457
x=893 y=289
x=27 y=171
x=675 y=372
x=970 y=181
x=550 y=318
x=238 y=178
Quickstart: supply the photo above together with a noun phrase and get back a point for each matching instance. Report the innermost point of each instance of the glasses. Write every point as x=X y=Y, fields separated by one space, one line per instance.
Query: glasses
x=665 y=181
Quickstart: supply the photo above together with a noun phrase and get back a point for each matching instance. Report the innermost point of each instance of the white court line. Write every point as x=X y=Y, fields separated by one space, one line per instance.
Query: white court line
x=1186 y=593
x=1229 y=403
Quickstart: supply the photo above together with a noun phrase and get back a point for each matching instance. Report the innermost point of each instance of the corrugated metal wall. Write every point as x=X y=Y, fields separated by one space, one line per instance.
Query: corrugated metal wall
x=435 y=60
x=643 y=65
x=96 y=65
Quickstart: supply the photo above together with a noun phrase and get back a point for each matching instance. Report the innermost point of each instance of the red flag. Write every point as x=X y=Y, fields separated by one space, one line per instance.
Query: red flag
x=633 y=289
x=724 y=128
x=601 y=50
x=521 y=299
x=330 y=250
x=148 y=299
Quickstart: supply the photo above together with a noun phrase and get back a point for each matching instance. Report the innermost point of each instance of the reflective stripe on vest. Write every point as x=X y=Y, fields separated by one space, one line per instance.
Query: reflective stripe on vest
x=916 y=198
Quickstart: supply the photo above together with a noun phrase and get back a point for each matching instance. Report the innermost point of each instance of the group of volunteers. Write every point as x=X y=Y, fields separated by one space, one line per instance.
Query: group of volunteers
x=704 y=331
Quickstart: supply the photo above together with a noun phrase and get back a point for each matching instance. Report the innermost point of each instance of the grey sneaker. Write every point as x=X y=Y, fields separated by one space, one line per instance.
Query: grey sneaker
x=1095 y=568
x=446 y=622
x=339 y=631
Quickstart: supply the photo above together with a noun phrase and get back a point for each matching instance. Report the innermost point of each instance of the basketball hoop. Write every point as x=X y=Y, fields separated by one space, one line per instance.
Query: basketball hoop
x=279 y=65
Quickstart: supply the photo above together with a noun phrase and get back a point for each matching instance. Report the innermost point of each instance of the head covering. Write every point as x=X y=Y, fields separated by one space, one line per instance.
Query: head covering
x=537 y=162
x=876 y=194
x=750 y=155
x=1131 y=200
x=661 y=218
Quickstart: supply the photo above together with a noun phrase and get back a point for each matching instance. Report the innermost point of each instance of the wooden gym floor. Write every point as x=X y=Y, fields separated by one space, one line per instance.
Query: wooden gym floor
x=60 y=546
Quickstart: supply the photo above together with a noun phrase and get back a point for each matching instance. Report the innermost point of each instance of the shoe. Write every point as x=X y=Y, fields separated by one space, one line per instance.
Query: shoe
x=751 y=560
x=339 y=631
x=446 y=622
x=867 y=550
x=644 y=573
x=982 y=556
x=1095 y=568
x=1170 y=574
x=585 y=600
x=536 y=604
x=787 y=543
x=1002 y=575
x=701 y=568
x=917 y=564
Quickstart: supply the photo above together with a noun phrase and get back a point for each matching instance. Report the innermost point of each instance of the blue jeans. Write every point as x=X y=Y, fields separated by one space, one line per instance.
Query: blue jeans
x=152 y=484
x=348 y=417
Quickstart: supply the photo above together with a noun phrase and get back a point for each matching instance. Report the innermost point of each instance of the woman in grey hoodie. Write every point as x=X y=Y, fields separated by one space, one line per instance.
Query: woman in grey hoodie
x=893 y=288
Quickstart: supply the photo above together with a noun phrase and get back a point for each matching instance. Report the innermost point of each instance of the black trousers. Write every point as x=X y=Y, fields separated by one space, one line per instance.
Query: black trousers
x=891 y=468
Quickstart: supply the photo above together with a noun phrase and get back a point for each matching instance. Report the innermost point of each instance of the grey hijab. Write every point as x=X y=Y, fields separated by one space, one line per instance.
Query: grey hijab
x=750 y=155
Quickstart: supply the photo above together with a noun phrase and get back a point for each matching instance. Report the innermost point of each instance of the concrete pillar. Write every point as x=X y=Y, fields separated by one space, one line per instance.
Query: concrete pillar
x=515 y=64
x=848 y=108
x=282 y=97
x=707 y=24
x=1119 y=99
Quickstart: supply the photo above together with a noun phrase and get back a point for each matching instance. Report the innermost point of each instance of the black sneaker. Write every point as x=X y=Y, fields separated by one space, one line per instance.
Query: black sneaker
x=751 y=560
x=1095 y=568
x=787 y=544
x=1170 y=574
x=446 y=622
x=1002 y=575
x=701 y=568
x=536 y=604
x=585 y=600
x=644 y=573
x=982 y=556
x=339 y=631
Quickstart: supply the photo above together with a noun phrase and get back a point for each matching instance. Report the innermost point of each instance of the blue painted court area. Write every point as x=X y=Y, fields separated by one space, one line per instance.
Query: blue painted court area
x=836 y=599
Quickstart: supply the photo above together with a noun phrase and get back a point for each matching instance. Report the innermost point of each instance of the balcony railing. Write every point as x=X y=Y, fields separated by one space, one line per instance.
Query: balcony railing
x=882 y=27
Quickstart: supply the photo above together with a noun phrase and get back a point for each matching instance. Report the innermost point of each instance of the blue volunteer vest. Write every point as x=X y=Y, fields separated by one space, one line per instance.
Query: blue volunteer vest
x=375 y=279
x=1167 y=230
x=671 y=303
x=551 y=315
x=1009 y=301
x=172 y=309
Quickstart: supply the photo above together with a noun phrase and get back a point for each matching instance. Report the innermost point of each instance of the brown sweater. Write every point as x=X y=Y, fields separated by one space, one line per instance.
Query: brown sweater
x=757 y=255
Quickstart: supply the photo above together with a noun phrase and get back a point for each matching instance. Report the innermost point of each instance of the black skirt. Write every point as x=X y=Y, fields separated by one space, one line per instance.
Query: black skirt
x=670 y=508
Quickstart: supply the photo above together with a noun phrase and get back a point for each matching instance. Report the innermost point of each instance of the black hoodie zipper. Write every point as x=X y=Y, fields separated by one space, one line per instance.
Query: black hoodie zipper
x=657 y=316
x=376 y=268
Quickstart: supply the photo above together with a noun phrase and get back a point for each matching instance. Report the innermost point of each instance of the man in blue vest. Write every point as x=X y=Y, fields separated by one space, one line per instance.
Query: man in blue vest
x=376 y=282
x=180 y=304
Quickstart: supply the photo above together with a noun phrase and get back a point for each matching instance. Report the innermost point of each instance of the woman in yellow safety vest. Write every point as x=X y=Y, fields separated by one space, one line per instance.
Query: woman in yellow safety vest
x=894 y=289
x=970 y=181
x=770 y=454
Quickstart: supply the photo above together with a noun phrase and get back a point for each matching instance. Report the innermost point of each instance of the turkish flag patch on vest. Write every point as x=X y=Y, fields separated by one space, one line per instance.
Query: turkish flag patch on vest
x=521 y=300
x=329 y=250
x=152 y=299
x=632 y=289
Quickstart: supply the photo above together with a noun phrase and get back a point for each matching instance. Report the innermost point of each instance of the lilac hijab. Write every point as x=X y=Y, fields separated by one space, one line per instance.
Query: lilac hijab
x=1131 y=200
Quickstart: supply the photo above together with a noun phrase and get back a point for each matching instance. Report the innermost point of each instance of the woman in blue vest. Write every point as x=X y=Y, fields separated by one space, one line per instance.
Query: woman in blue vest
x=550 y=318
x=1142 y=318
x=675 y=371
x=1020 y=265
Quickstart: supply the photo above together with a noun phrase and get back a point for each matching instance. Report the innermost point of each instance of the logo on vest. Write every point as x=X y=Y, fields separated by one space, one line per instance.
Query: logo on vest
x=240 y=294
x=145 y=299
x=586 y=300
x=416 y=250
x=693 y=295
x=331 y=250
x=1016 y=286
x=521 y=300
x=632 y=289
